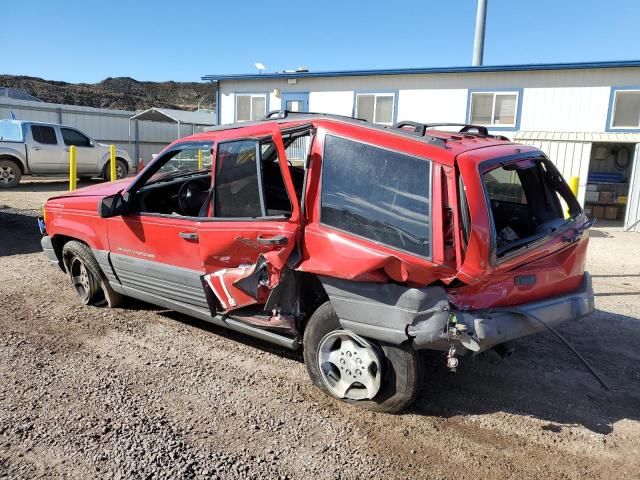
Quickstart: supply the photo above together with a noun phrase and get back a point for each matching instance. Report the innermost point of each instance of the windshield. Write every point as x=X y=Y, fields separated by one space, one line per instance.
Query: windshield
x=11 y=131
x=183 y=162
x=529 y=200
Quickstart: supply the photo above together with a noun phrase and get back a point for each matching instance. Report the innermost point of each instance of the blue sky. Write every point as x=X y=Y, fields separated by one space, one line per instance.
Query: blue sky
x=89 y=40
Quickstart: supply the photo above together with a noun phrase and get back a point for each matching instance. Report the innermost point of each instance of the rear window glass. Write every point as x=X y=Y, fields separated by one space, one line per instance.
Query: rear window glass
x=43 y=134
x=11 y=132
x=377 y=194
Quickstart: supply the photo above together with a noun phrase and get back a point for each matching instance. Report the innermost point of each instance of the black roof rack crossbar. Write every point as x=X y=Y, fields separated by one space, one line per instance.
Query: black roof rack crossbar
x=467 y=129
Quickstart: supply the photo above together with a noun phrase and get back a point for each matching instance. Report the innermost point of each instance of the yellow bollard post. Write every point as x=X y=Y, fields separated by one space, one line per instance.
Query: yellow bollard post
x=199 y=159
x=574 y=184
x=112 y=163
x=72 y=167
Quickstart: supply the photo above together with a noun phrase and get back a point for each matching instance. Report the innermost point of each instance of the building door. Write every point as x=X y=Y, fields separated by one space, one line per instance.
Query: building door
x=295 y=102
x=632 y=216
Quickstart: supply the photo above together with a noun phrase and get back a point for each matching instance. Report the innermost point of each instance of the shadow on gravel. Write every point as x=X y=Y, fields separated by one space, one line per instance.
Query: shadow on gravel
x=231 y=335
x=19 y=232
x=544 y=379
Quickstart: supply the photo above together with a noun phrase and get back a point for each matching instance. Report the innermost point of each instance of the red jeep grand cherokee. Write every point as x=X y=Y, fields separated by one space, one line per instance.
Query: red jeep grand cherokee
x=360 y=244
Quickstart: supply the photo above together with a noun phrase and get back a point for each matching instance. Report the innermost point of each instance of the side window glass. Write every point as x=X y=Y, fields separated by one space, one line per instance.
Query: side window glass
x=249 y=181
x=74 y=137
x=276 y=198
x=378 y=194
x=43 y=134
x=237 y=190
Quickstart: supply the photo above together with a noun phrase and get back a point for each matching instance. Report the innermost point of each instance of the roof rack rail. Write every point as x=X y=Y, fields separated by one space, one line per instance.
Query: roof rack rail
x=466 y=129
x=282 y=114
x=420 y=128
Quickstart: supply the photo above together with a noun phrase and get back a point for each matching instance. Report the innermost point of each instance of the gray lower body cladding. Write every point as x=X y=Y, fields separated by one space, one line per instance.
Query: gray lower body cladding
x=395 y=314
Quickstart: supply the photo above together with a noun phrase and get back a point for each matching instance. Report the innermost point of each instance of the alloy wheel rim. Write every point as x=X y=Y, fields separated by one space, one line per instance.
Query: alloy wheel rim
x=7 y=174
x=350 y=366
x=80 y=277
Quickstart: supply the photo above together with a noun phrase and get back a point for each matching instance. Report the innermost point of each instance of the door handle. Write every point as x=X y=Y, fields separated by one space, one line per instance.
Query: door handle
x=37 y=149
x=188 y=235
x=278 y=240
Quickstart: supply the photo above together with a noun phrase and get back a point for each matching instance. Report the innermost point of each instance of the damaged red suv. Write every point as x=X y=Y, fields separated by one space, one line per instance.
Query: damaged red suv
x=359 y=244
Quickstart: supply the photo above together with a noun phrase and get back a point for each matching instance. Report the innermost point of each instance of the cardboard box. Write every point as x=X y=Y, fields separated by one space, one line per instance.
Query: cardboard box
x=621 y=200
x=592 y=196
x=598 y=212
x=588 y=211
x=611 y=213
x=607 y=197
x=592 y=187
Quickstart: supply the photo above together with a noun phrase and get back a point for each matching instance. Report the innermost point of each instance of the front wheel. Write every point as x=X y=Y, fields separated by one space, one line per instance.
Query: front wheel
x=86 y=277
x=375 y=375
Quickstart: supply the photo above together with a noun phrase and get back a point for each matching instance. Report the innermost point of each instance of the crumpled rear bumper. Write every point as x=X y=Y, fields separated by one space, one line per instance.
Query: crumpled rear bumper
x=423 y=316
x=487 y=328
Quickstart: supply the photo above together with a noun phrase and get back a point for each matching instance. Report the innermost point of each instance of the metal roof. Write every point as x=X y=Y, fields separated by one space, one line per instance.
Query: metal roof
x=16 y=94
x=176 y=116
x=589 y=137
x=424 y=71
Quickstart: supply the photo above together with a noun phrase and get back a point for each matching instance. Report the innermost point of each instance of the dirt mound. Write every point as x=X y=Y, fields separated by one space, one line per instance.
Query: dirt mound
x=123 y=93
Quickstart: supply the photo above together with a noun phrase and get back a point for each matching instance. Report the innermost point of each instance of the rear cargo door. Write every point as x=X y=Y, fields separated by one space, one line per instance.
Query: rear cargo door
x=254 y=221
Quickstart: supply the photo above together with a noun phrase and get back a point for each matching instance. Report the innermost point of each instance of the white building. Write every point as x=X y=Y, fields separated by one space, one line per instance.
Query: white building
x=585 y=116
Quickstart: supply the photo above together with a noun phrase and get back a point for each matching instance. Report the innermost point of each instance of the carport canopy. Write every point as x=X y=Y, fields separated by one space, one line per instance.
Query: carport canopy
x=200 y=118
x=183 y=117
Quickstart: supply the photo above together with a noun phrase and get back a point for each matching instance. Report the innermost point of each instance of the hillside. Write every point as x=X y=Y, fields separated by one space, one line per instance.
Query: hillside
x=122 y=93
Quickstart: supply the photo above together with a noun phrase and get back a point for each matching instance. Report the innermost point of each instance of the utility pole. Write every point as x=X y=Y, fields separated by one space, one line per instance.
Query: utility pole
x=478 y=42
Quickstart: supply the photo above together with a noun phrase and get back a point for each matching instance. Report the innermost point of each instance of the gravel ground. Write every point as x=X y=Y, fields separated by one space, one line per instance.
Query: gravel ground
x=140 y=392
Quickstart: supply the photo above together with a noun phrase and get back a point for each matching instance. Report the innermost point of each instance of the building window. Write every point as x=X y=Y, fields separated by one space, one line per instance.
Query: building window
x=374 y=193
x=499 y=109
x=250 y=107
x=626 y=109
x=375 y=107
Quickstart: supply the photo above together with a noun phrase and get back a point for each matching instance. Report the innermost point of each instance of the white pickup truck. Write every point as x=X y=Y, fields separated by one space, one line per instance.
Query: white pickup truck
x=34 y=148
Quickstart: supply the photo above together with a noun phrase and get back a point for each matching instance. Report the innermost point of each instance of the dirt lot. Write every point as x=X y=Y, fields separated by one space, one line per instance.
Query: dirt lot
x=141 y=392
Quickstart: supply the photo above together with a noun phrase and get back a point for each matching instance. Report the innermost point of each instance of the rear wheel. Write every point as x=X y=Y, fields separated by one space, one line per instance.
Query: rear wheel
x=10 y=174
x=86 y=277
x=374 y=375
x=122 y=170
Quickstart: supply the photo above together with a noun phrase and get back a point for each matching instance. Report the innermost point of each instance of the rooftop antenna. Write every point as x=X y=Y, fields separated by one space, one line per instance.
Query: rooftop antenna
x=260 y=67
x=478 y=42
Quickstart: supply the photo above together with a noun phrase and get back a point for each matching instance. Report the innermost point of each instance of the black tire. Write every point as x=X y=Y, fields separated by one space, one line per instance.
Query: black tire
x=87 y=277
x=122 y=170
x=401 y=371
x=10 y=173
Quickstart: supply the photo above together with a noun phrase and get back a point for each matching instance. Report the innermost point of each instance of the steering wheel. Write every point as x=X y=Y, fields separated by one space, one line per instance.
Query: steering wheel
x=192 y=194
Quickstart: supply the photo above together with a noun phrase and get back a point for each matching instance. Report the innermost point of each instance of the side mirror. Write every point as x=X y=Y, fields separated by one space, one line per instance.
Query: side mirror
x=111 y=206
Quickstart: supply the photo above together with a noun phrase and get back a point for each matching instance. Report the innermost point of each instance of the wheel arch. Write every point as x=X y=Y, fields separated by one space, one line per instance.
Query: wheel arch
x=4 y=155
x=104 y=164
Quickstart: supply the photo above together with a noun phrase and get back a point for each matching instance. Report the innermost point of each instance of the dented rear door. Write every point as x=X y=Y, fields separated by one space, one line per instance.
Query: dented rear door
x=254 y=221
